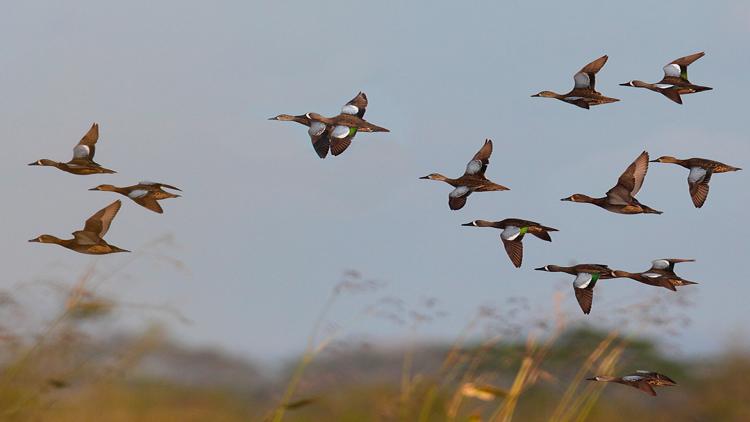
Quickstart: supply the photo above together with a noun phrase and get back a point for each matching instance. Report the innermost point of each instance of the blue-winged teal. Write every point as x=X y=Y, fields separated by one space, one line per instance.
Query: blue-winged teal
x=701 y=170
x=584 y=93
x=513 y=231
x=642 y=380
x=621 y=198
x=83 y=156
x=675 y=81
x=90 y=240
x=660 y=274
x=335 y=133
x=586 y=277
x=473 y=179
x=145 y=194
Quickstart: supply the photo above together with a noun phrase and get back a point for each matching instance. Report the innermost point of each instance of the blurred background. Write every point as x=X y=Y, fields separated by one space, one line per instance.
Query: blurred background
x=273 y=254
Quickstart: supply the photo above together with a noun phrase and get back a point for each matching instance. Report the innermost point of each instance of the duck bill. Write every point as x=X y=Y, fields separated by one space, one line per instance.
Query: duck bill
x=541 y=269
x=34 y=240
x=35 y=163
x=93 y=189
x=425 y=177
x=273 y=118
x=566 y=199
x=625 y=84
x=468 y=224
x=535 y=95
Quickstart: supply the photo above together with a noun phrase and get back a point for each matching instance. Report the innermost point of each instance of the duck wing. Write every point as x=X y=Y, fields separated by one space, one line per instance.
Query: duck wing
x=478 y=165
x=457 y=197
x=585 y=298
x=586 y=77
x=86 y=147
x=356 y=106
x=99 y=223
x=340 y=138
x=319 y=136
x=698 y=184
x=150 y=203
x=630 y=181
x=157 y=185
x=678 y=68
x=514 y=248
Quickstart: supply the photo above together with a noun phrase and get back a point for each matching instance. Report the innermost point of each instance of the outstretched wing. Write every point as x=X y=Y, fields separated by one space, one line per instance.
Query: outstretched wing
x=341 y=137
x=678 y=67
x=586 y=77
x=158 y=185
x=99 y=223
x=514 y=248
x=698 y=184
x=357 y=106
x=86 y=147
x=478 y=165
x=319 y=136
x=457 y=197
x=631 y=179
x=585 y=298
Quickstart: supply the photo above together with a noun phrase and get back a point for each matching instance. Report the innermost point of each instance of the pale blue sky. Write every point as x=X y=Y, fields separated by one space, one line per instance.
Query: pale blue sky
x=182 y=91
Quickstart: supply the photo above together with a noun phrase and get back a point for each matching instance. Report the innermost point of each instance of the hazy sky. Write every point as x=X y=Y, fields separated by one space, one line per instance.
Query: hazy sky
x=182 y=91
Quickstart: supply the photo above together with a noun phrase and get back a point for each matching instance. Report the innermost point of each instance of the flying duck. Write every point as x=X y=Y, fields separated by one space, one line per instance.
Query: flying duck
x=513 y=231
x=675 y=81
x=145 y=194
x=584 y=93
x=621 y=198
x=335 y=133
x=586 y=277
x=660 y=274
x=701 y=170
x=473 y=179
x=642 y=380
x=90 y=240
x=83 y=156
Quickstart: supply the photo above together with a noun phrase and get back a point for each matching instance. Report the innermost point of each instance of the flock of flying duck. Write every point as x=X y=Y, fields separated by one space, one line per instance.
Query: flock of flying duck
x=335 y=134
x=90 y=239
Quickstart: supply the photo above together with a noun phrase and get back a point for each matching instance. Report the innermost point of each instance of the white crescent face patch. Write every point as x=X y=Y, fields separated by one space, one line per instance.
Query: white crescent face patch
x=81 y=151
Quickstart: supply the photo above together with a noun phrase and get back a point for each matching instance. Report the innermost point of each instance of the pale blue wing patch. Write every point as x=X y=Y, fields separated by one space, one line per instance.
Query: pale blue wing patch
x=459 y=192
x=651 y=275
x=316 y=128
x=582 y=80
x=573 y=98
x=672 y=70
x=696 y=174
x=340 y=132
x=138 y=193
x=510 y=233
x=146 y=182
x=350 y=109
x=474 y=167
x=660 y=264
x=81 y=151
x=632 y=378
x=664 y=86
x=582 y=280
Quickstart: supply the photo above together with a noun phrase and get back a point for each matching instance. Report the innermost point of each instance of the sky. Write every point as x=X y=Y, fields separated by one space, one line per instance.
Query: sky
x=182 y=91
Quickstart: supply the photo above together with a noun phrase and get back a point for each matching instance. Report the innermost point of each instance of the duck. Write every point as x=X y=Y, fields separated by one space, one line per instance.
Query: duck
x=701 y=170
x=621 y=198
x=660 y=274
x=145 y=193
x=335 y=133
x=584 y=93
x=675 y=82
x=640 y=379
x=587 y=276
x=89 y=240
x=513 y=231
x=473 y=179
x=83 y=157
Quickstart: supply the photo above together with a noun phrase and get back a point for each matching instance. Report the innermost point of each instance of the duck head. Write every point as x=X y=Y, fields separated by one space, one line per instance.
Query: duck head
x=478 y=223
x=546 y=94
x=106 y=188
x=548 y=268
x=434 y=176
x=636 y=84
x=578 y=197
x=45 y=238
x=43 y=162
x=665 y=159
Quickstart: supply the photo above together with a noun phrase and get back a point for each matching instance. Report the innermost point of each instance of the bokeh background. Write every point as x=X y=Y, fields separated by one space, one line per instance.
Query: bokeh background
x=182 y=91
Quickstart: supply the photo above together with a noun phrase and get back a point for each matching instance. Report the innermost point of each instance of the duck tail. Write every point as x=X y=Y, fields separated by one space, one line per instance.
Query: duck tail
x=672 y=95
x=649 y=210
x=541 y=232
x=683 y=282
x=375 y=128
